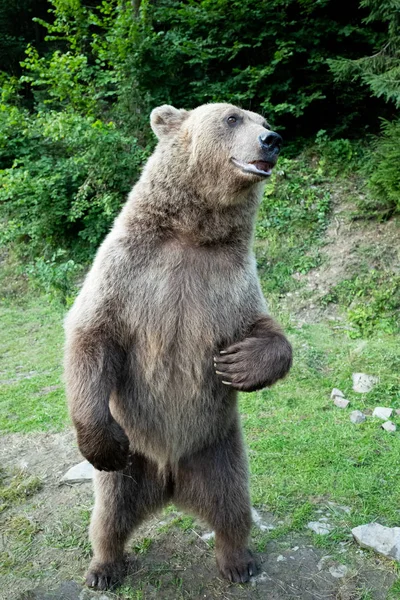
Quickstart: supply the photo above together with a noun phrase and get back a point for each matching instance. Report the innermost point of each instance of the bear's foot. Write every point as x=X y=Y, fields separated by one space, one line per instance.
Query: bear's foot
x=237 y=566
x=105 y=576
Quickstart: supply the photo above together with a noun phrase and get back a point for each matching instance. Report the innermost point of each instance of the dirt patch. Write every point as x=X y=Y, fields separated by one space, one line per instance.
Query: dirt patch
x=349 y=246
x=47 y=555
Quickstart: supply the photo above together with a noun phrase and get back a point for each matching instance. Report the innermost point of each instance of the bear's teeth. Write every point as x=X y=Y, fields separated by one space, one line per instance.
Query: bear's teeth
x=252 y=168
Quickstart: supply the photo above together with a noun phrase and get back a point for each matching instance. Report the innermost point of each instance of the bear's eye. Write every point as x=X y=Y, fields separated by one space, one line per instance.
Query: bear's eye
x=232 y=120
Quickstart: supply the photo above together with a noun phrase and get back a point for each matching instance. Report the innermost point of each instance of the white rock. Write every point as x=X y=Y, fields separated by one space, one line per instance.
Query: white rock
x=339 y=571
x=382 y=412
x=389 y=426
x=335 y=392
x=320 y=528
x=295 y=548
x=397 y=411
x=208 y=536
x=363 y=383
x=384 y=540
x=81 y=472
x=281 y=558
x=341 y=402
x=257 y=519
x=357 y=417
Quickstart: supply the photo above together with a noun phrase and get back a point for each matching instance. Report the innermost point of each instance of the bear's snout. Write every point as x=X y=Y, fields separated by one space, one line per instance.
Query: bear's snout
x=270 y=141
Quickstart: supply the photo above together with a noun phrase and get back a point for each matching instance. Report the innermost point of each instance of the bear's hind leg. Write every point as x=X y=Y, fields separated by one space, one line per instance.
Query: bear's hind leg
x=213 y=484
x=123 y=500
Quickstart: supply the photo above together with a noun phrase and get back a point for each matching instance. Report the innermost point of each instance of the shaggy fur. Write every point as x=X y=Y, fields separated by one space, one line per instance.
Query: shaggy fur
x=170 y=322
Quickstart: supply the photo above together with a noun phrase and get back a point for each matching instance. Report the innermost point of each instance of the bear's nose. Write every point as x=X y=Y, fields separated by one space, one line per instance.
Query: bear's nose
x=270 y=140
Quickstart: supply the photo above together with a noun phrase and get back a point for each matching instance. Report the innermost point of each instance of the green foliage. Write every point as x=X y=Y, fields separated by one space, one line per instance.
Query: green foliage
x=384 y=169
x=74 y=126
x=68 y=183
x=372 y=300
x=268 y=56
x=337 y=157
x=381 y=70
x=67 y=165
x=381 y=73
x=292 y=217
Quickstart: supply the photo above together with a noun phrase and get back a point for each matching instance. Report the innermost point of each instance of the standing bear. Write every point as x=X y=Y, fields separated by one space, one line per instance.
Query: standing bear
x=169 y=324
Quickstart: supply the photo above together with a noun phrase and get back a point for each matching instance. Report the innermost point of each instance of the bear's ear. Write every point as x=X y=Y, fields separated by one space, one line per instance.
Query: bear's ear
x=166 y=119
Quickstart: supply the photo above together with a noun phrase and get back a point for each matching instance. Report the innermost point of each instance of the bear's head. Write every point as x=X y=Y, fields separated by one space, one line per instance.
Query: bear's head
x=218 y=143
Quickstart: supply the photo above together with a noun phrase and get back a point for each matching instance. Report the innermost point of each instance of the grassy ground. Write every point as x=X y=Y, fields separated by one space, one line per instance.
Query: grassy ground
x=32 y=395
x=304 y=452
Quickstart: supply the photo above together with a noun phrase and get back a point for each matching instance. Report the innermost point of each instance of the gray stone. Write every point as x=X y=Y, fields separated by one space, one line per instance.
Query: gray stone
x=382 y=412
x=281 y=558
x=335 y=392
x=81 y=472
x=363 y=383
x=320 y=528
x=397 y=411
x=259 y=522
x=341 y=402
x=339 y=571
x=357 y=417
x=389 y=426
x=381 y=539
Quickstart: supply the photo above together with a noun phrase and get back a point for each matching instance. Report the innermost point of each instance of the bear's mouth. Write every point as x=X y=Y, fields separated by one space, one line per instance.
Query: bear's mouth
x=261 y=168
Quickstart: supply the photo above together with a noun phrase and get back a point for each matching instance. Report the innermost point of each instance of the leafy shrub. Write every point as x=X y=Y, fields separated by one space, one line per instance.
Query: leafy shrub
x=372 y=301
x=338 y=156
x=293 y=214
x=384 y=169
x=68 y=183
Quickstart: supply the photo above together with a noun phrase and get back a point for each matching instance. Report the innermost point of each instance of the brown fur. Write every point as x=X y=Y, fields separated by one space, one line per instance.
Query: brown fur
x=171 y=322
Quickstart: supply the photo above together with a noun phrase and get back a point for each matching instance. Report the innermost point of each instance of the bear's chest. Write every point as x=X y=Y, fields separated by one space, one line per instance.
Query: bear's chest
x=194 y=296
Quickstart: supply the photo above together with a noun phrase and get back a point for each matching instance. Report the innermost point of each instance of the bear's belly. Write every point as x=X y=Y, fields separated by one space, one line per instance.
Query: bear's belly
x=172 y=398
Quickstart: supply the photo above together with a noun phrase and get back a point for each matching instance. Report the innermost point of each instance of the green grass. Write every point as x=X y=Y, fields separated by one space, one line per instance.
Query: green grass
x=17 y=488
x=305 y=450
x=31 y=347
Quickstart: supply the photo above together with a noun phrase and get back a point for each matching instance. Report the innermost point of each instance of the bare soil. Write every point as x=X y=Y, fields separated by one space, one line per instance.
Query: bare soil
x=349 y=245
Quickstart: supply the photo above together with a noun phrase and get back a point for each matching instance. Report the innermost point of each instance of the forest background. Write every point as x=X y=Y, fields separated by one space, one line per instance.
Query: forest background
x=78 y=80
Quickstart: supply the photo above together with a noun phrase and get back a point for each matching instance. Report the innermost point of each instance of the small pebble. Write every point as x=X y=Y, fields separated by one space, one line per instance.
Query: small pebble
x=382 y=412
x=389 y=426
x=363 y=383
x=335 y=392
x=280 y=558
x=341 y=402
x=320 y=528
x=357 y=417
x=339 y=571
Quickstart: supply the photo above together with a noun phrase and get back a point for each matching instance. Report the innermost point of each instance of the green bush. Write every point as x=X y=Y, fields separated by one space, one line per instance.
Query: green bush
x=293 y=215
x=372 y=301
x=68 y=183
x=384 y=169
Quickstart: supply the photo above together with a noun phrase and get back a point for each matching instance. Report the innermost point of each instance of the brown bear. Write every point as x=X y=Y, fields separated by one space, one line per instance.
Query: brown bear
x=169 y=324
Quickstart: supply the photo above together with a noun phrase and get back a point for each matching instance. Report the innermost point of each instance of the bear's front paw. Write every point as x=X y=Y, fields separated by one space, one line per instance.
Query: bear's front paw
x=254 y=363
x=106 y=447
